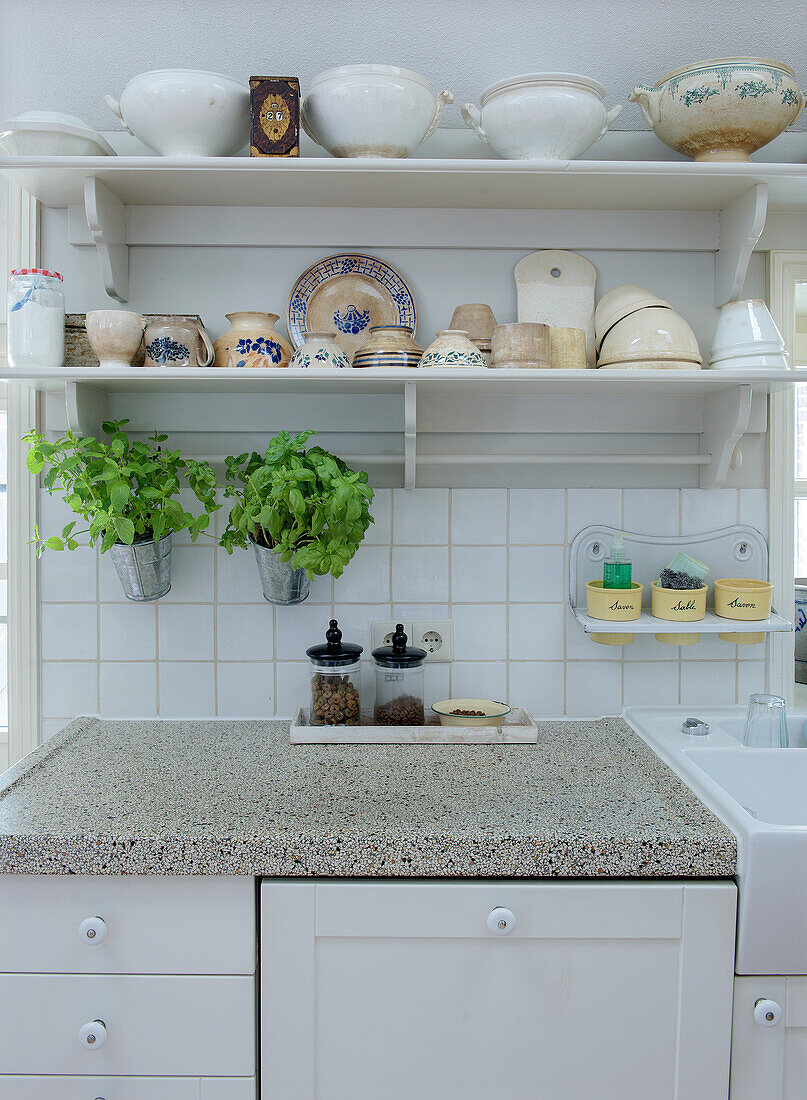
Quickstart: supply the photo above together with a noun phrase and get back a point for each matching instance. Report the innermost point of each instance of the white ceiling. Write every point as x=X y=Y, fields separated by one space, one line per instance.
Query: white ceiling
x=65 y=54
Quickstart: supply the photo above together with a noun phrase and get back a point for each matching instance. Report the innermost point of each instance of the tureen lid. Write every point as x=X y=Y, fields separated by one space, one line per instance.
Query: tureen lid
x=54 y=122
x=699 y=66
x=544 y=78
x=370 y=70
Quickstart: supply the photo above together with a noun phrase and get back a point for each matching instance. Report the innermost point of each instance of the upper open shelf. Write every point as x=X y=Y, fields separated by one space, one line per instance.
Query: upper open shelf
x=409 y=183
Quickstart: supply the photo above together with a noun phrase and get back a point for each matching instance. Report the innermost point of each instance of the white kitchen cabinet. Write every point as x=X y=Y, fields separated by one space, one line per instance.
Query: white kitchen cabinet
x=136 y=924
x=589 y=991
x=127 y=1088
x=769 y=1040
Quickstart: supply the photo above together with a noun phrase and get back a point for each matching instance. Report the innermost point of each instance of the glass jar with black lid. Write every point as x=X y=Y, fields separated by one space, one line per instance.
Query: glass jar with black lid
x=335 y=680
x=399 y=682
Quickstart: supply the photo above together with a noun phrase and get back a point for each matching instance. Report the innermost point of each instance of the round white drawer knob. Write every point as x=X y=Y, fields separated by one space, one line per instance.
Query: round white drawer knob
x=93 y=1035
x=501 y=922
x=93 y=930
x=767 y=1013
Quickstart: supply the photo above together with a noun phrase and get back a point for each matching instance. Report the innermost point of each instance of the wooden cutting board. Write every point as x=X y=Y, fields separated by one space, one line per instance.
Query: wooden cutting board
x=556 y=288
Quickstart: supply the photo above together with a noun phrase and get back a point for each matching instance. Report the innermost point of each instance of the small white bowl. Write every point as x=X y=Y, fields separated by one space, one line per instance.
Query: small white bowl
x=773 y=360
x=493 y=712
x=745 y=329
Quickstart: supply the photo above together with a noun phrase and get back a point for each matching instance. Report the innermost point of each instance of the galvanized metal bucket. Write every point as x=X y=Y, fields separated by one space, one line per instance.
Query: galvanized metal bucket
x=280 y=583
x=144 y=568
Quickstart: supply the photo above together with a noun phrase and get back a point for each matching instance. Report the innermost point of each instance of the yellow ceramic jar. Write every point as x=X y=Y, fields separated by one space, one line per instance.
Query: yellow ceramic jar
x=682 y=605
x=740 y=598
x=619 y=605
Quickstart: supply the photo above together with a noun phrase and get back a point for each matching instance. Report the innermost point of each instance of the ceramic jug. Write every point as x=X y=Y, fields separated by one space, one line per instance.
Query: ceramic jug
x=252 y=342
x=177 y=342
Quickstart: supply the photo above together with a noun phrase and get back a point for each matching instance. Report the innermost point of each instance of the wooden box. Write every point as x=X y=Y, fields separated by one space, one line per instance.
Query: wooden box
x=275 y=115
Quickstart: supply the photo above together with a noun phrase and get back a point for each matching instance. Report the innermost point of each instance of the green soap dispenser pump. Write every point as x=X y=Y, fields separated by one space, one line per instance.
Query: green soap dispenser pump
x=616 y=570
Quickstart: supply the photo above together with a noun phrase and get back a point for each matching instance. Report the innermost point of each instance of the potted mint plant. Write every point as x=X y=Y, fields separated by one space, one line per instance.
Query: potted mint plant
x=128 y=494
x=304 y=513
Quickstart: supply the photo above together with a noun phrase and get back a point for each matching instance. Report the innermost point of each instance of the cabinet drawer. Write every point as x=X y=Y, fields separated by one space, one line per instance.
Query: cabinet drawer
x=160 y=1026
x=127 y=1088
x=148 y=924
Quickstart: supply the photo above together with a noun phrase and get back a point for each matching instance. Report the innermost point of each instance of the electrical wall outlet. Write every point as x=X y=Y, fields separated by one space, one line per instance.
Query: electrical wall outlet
x=436 y=636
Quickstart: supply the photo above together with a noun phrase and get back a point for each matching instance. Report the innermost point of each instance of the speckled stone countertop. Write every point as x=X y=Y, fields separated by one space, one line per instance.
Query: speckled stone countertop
x=234 y=797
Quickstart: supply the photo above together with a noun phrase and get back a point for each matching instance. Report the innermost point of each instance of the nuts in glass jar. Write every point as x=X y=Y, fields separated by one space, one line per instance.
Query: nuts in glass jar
x=406 y=710
x=334 y=701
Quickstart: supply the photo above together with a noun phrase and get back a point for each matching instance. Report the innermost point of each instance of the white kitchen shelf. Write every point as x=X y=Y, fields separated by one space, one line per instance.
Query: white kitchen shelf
x=712 y=624
x=738 y=551
x=106 y=189
x=437 y=427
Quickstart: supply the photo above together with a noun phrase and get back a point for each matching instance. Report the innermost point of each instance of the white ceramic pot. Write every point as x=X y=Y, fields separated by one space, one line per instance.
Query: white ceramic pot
x=722 y=109
x=746 y=331
x=620 y=302
x=371 y=111
x=185 y=112
x=319 y=349
x=114 y=335
x=541 y=116
x=51 y=134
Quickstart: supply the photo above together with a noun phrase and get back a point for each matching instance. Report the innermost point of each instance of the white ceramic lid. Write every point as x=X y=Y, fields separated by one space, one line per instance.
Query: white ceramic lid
x=191 y=72
x=370 y=70
x=544 y=78
x=56 y=123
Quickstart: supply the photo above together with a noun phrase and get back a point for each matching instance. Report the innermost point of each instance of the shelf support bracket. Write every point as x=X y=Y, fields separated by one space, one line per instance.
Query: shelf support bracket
x=725 y=419
x=85 y=408
x=741 y=224
x=410 y=434
x=106 y=217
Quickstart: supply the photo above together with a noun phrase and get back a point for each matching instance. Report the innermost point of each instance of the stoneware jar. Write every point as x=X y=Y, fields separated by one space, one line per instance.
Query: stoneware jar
x=452 y=348
x=371 y=111
x=477 y=319
x=319 y=349
x=722 y=109
x=185 y=112
x=541 y=116
x=177 y=342
x=389 y=346
x=521 y=344
x=115 y=335
x=251 y=341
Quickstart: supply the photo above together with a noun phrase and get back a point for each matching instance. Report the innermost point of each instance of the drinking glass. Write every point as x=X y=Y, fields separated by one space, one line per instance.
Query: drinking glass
x=766 y=723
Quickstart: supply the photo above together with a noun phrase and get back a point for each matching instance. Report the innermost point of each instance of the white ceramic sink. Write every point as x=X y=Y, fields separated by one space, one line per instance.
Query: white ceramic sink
x=761 y=795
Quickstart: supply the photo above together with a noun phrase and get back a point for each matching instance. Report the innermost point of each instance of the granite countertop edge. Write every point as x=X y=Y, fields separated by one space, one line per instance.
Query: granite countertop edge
x=704 y=848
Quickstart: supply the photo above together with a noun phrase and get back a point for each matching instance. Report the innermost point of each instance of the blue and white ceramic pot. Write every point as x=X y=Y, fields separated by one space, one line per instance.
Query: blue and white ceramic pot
x=252 y=342
x=723 y=109
x=319 y=349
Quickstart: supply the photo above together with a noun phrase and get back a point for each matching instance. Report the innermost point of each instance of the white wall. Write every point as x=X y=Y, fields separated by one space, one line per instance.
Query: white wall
x=65 y=54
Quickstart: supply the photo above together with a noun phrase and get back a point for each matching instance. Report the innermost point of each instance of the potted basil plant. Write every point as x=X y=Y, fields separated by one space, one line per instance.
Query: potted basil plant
x=303 y=512
x=128 y=494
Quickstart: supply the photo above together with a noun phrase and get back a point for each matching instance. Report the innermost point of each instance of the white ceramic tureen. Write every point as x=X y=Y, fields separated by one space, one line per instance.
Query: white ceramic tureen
x=541 y=116
x=185 y=112
x=51 y=134
x=371 y=111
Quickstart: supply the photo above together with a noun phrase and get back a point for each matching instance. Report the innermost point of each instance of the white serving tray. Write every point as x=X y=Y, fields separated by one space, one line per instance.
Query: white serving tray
x=517 y=728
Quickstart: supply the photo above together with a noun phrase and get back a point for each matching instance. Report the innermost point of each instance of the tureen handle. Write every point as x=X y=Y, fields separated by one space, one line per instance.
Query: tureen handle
x=114 y=107
x=304 y=123
x=440 y=102
x=472 y=117
x=609 y=118
x=648 y=99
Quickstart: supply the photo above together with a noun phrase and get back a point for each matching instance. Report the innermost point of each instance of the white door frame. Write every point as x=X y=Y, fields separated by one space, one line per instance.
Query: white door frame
x=785 y=269
x=23 y=589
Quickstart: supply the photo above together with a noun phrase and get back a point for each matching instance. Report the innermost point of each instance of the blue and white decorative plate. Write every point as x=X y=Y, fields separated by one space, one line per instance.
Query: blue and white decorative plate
x=348 y=294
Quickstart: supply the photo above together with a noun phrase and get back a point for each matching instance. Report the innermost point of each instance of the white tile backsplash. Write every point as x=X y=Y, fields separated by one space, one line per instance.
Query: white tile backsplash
x=224 y=649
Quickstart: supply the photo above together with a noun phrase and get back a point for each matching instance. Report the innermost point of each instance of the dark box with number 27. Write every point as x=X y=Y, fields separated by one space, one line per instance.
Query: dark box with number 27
x=275 y=115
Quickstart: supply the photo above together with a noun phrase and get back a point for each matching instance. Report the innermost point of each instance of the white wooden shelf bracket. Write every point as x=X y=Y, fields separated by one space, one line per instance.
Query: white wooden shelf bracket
x=85 y=408
x=725 y=419
x=410 y=434
x=741 y=223
x=106 y=217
